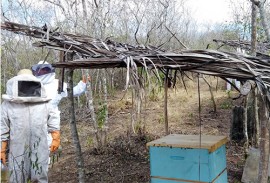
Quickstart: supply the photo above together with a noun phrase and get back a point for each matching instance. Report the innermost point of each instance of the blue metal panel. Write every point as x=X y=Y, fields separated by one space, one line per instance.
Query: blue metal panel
x=156 y=180
x=221 y=179
x=183 y=163
x=217 y=162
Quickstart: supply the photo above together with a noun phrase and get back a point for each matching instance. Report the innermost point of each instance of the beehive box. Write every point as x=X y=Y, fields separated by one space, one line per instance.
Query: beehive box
x=182 y=158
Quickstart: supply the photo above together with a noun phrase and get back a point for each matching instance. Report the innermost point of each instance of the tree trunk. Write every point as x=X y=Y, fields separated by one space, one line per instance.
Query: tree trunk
x=84 y=10
x=251 y=116
x=105 y=92
x=264 y=142
x=237 y=127
x=90 y=103
x=260 y=5
x=132 y=114
x=249 y=113
x=75 y=136
x=245 y=124
x=263 y=19
x=254 y=29
x=257 y=121
x=212 y=95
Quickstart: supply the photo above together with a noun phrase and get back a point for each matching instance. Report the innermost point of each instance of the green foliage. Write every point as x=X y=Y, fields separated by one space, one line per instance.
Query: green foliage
x=229 y=93
x=155 y=93
x=3 y=87
x=148 y=138
x=237 y=181
x=101 y=115
x=111 y=90
x=226 y=105
x=191 y=115
x=161 y=119
x=77 y=76
x=55 y=156
x=139 y=126
x=89 y=141
x=81 y=100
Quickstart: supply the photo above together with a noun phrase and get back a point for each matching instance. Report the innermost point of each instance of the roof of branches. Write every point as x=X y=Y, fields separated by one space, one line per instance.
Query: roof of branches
x=262 y=49
x=94 y=53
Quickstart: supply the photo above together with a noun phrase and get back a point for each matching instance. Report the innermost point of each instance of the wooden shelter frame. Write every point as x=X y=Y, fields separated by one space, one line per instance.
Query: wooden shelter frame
x=90 y=53
x=95 y=54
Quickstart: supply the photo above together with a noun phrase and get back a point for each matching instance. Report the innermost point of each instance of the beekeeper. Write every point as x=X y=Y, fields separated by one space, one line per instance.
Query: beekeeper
x=26 y=119
x=46 y=73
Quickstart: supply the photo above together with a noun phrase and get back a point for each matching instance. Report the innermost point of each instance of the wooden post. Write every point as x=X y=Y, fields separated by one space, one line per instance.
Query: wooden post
x=264 y=142
x=166 y=102
x=252 y=114
x=245 y=125
x=73 y=127
x=62 y=72
x=257 y=121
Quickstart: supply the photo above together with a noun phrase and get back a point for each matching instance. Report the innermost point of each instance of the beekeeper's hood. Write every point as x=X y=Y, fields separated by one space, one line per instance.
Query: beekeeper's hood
x=25 y=88
x=44 y=71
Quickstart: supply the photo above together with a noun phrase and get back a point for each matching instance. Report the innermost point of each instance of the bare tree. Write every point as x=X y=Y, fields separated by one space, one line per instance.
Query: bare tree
x=253 y=29
x=211 y=92
x=105 y=93
x=241 y=12
x=260 y=4
x=264 y=140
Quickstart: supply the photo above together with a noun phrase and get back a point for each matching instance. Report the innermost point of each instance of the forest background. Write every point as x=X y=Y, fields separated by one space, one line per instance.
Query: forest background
x=168 y=24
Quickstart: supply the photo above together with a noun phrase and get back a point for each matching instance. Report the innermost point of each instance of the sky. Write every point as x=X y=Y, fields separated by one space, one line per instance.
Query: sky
x=210 y=11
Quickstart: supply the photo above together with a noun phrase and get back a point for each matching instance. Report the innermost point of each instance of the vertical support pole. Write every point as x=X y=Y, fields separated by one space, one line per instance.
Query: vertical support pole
x=264 y=142
x=257 y=121
x=166 y=102
x=73 y=127
x=62 y=58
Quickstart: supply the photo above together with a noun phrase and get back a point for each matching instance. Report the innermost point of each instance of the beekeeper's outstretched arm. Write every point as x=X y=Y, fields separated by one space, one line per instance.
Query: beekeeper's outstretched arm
x=78 y=90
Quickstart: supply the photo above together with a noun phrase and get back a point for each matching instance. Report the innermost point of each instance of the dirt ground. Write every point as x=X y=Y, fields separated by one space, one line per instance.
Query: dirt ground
x=126 y=158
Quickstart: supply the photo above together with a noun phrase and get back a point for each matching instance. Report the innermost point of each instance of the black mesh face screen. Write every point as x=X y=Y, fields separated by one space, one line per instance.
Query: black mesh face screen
x=29 y=89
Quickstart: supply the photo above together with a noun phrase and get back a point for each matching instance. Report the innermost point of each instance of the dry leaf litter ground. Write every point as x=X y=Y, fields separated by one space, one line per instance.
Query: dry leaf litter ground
x=126 y=159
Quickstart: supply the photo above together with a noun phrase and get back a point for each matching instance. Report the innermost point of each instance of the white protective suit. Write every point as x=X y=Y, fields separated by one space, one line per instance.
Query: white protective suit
x=26 y=119
x=51 y=86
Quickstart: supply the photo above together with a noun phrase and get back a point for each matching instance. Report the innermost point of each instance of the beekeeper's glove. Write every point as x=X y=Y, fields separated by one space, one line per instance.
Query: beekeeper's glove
x=4 y=151
x=55 y=140
x=85 y=79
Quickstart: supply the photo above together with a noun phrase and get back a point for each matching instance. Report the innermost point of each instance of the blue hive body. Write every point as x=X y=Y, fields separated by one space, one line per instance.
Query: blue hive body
x=183 y=158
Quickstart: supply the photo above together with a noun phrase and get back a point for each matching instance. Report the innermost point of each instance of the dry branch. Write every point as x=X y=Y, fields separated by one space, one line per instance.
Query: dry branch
x=111 y=54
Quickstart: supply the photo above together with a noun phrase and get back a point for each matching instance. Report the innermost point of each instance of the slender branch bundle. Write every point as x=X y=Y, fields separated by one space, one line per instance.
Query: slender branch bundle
x=110 y=54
